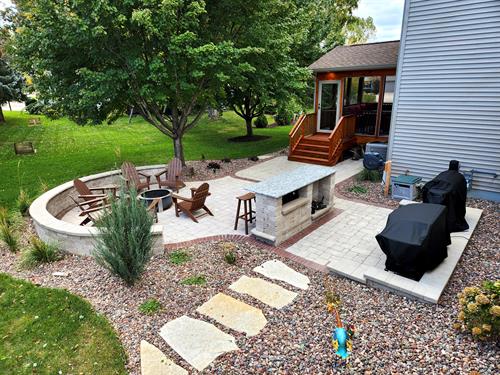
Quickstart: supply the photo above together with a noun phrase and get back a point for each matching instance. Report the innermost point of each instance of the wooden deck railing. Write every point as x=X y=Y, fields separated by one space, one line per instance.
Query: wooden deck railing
x=344 y=130
x=305 y=125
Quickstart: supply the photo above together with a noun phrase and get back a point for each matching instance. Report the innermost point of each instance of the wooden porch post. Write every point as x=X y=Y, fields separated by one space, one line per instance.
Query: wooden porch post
x=380 y=105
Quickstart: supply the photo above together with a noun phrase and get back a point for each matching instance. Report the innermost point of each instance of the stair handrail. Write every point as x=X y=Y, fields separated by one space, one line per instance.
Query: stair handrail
x=341 y=131
x=301 y=128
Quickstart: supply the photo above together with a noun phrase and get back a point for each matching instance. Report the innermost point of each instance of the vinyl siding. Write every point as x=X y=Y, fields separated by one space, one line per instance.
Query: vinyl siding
x=447 y=103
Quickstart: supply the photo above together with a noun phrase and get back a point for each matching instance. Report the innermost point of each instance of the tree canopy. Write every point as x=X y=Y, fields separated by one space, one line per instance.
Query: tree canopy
x=92 y=60
x=11 y=85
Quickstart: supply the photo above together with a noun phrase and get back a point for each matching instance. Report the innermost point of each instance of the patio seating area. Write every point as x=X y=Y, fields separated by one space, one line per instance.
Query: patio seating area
x=345 y=244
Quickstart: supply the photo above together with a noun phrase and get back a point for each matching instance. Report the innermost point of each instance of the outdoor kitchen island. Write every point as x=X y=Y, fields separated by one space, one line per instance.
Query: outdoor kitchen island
x=284 y=203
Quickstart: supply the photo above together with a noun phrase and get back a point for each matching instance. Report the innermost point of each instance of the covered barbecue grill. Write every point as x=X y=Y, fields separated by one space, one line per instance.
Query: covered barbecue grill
x=449 y=188
x=415 y=239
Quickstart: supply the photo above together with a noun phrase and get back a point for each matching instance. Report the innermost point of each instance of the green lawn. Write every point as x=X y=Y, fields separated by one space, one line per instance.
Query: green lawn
x=66 y=151
x=44 y=331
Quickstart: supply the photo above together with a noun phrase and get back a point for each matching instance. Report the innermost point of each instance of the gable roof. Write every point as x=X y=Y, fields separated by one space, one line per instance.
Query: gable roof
x=382 y=55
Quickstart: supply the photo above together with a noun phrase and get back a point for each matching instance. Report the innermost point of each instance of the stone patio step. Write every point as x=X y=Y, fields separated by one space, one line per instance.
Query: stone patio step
x=234 y=314
x=277 y=270
x=154 y=362
x=271 y=294
x=196 y=341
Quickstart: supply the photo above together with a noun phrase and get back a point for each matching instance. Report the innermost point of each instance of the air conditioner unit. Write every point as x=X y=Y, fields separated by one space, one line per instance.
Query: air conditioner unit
x=378 y=147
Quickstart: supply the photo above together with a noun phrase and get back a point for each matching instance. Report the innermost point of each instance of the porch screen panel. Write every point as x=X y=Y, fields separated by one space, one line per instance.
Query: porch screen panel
x=385 y=121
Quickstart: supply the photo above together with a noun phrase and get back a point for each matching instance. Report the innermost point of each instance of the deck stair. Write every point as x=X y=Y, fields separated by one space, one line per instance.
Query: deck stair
x=308 y=146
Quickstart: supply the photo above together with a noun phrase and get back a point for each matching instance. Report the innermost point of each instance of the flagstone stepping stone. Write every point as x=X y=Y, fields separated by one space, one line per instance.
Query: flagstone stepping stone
x=154 y=362
x=196 y=341
x=277 y=270
x=234 y=314
x=271 y=294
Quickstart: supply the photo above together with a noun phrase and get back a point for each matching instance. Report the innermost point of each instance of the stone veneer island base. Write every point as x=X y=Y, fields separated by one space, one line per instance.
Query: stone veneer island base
x=284 y=201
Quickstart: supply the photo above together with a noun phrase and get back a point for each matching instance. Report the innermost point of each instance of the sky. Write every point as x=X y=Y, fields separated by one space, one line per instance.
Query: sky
x=387 y=16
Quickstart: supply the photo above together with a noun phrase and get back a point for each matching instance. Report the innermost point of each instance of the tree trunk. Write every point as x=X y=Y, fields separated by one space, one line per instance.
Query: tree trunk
x=179 y=149
x=2 y=118
x=248 y=122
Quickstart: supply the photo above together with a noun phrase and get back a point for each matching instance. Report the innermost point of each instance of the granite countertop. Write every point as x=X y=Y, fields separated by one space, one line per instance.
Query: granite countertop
x=284 y=183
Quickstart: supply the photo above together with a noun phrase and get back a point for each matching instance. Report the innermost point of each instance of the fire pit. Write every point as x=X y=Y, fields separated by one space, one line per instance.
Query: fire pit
x=164 y=194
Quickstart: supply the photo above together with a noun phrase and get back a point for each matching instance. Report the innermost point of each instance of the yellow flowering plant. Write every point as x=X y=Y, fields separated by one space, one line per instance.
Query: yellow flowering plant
x=480 y=311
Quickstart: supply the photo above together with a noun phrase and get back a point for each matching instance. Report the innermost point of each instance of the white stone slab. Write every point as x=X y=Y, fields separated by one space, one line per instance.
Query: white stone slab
x=154 y=362
x=271 y=294
x=198 y=342
x=277 y=270
x=234 y=314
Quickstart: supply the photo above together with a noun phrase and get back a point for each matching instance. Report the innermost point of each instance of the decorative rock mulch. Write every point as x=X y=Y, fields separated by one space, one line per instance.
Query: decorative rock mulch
x=198 y=170
x=394 y=334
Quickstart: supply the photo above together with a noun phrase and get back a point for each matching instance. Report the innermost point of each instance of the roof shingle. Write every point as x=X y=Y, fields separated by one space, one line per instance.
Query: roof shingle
x=359 y=56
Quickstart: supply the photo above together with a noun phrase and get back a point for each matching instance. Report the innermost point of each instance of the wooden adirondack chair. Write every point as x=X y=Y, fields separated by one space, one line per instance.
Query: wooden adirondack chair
x=88 y=193
x=195 y=203
x=90 y=208
x=133 y=177
x=172 y=176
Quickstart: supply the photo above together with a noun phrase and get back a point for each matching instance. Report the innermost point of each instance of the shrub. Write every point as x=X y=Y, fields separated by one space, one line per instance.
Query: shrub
x=480 y=311
x=124 y=244
x=179 y=257
x=260 y=122
x=194 y=280
x=23 y=202
x=39 y=252
x=358 y=189
x=284 y=116
x=150 y=306
x=230 y=257
x=8 y=236
x=369 y=175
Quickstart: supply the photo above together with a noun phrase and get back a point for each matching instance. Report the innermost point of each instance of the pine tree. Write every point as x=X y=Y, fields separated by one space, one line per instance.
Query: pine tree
x=11 y=85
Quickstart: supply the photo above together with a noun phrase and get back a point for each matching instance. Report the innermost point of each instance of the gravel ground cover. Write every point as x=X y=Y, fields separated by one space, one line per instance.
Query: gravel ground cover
x=394 y=334
x=198 y=170
x=374 y=192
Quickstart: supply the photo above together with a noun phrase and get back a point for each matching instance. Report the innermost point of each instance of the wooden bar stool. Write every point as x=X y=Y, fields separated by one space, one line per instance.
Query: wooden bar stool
x=247 y=210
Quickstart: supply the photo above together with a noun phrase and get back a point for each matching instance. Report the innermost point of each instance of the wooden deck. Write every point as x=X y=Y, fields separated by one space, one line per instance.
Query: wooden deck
x=309 y=146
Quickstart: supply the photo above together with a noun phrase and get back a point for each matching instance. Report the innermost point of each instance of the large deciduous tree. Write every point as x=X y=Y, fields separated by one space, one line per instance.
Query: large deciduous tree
x=11 y=85
x=91 y=60
x=327 y=24
x=272 y=75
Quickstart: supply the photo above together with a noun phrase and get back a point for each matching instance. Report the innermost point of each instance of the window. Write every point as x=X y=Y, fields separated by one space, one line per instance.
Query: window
x=371 y=89
x=390 y=85
x=351 y=85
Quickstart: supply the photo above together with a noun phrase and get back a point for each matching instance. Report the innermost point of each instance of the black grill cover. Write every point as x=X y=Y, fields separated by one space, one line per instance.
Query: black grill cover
x=449 y=188
x=415 y=239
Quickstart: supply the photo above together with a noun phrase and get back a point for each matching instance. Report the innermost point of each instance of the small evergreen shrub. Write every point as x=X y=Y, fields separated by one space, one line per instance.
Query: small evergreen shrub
x=369 y=175
x=150 y=306
x=39 y=252
x=357 y=189
x=283 y=117
x=23 y=202
x=230 y=257
x=480 y=311
x=260 y=122
x=179 y=257
x=124 y=244
x=194 y=280
x=8 y=236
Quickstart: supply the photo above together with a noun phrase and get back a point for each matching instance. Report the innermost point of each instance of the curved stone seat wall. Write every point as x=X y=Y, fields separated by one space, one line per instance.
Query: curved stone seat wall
x=48 y=209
